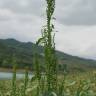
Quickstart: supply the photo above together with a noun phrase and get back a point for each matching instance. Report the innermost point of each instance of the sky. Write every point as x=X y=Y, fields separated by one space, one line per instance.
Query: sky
x=75 y=24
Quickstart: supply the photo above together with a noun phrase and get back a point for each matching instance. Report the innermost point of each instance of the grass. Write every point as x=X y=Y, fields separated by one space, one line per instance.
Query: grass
x=80 y=84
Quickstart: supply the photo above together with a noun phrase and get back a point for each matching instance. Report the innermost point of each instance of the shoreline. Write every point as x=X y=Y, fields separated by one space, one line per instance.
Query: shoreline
x=11 y=70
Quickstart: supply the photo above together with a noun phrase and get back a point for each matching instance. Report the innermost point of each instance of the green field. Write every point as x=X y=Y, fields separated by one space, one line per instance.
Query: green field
x=79 y=84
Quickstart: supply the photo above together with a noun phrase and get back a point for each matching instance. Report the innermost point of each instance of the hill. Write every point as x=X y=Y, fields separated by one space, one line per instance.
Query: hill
x=23 y=54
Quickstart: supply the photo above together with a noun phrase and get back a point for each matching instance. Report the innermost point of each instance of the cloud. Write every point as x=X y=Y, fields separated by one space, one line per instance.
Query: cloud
x=24 y=27
x=6 y=14
x=76 y=12
x=77 y=40
x=76 y=23
x=23 y=6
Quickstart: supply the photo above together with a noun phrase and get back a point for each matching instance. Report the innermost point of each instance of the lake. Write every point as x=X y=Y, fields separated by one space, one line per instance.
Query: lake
x=8 y=75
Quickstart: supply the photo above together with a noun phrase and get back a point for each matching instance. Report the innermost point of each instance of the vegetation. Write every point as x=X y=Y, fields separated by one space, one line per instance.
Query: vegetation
x=24 y=55
x=49 y=81
x=80 y=84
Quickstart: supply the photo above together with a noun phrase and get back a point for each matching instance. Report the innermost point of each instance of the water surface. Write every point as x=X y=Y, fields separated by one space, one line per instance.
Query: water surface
x=8 y=75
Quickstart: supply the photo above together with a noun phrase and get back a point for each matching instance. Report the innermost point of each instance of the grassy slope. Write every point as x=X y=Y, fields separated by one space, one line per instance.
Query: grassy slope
x=23 y=53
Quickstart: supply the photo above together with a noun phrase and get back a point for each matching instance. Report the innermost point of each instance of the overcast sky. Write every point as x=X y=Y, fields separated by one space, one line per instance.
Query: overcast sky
x=75 y=23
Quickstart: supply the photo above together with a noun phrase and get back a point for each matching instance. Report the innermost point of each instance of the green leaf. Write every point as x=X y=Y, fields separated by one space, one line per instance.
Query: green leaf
x=39 y=40
x=33 y=78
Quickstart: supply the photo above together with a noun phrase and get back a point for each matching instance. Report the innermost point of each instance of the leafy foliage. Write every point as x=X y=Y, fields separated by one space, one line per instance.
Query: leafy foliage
x=81 y=84
x=24 y=56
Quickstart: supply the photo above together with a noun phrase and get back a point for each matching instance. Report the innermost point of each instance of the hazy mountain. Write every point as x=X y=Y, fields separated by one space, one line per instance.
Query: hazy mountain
x=22 y=54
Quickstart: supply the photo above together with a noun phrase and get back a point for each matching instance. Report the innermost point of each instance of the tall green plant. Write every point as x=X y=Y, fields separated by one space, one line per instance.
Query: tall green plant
x=25 y=82
x=37 y=73
x=47 y=40
x=13 y=93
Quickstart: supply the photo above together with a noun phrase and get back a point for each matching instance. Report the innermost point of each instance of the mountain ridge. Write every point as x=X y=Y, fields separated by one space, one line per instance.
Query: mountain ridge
x=24 y=55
